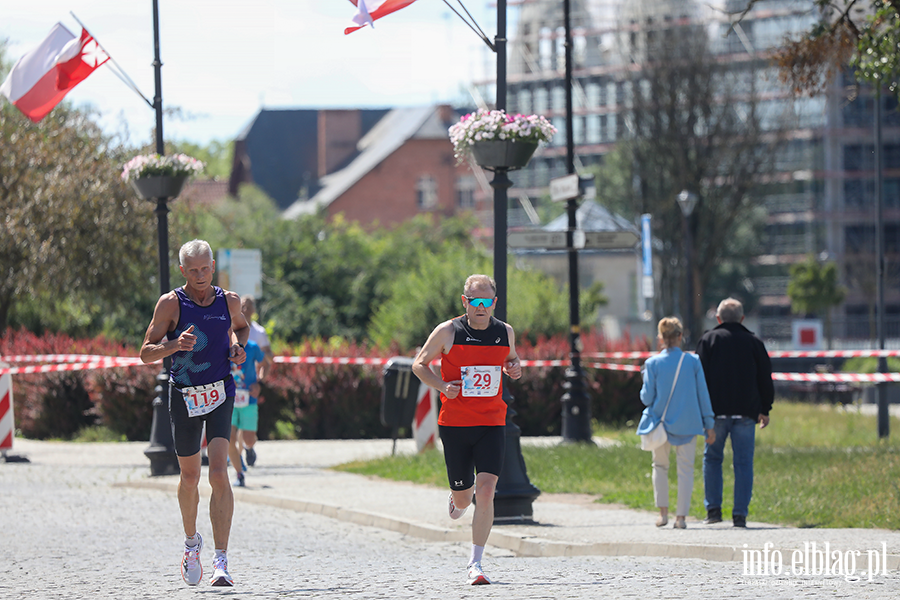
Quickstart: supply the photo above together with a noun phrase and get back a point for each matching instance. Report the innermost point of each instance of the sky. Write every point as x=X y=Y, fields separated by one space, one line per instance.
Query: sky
x=223 y=60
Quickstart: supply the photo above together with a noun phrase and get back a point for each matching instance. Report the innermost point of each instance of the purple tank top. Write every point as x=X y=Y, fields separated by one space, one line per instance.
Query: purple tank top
x=208 y=361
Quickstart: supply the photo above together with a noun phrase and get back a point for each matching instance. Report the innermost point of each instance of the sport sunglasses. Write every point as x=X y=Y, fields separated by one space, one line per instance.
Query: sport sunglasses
x=476 y=302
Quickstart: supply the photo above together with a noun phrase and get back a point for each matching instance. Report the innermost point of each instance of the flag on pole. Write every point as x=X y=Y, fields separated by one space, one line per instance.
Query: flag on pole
x=368 y=11
x=42 y=78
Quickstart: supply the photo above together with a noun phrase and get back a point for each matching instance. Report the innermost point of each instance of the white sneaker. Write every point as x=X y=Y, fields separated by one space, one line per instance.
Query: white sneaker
x=220 y=575
x=191 y=569
x=477 y=576
x=455 y=513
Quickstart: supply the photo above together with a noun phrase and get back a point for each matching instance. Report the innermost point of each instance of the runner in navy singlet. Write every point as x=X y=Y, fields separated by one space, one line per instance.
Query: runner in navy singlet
x=201 y=327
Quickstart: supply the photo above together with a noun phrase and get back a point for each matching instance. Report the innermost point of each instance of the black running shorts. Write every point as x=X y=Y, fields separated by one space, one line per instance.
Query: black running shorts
x=468 y=450
x=188 y=431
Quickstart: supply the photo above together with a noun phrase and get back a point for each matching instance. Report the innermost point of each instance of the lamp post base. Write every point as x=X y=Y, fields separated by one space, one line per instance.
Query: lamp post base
x=515 y=493
x=576 y=407
x=161 y=451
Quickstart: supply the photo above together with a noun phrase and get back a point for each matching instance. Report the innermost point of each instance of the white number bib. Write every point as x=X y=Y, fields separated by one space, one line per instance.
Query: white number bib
x=203 y=399
x=480 y=381
x=241 y=398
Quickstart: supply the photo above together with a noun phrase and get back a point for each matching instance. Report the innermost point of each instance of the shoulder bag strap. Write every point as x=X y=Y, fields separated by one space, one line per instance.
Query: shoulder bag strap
x=672 y=391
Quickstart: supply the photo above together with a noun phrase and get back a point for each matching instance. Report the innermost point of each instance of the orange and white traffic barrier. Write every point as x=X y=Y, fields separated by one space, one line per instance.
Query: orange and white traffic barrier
x=424 y=425
x=7 y=424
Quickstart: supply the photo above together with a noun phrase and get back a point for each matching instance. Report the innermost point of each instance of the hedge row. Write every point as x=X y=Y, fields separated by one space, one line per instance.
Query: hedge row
x=299 y=400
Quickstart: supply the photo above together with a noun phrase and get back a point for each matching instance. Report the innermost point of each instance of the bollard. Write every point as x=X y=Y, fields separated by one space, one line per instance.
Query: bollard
x=7 y=421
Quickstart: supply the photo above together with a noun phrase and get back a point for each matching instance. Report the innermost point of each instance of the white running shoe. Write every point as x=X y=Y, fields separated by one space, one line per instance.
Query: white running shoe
x=191 y=569
x=220 y=575
x=455 y=513
x=477 y=576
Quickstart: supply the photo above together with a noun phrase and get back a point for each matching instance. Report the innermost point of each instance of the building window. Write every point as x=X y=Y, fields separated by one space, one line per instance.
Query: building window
x=578 y=129
x=559 y=99
x=592 y=95
x=426 y=193
x=524 y=97
x=540 y=101
x=465 y=192
x=593 y=129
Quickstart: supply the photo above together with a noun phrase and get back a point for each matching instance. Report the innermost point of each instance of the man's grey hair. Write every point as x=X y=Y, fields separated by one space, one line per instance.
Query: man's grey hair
x=730 y=310
x=194 y=249
x=473 y=280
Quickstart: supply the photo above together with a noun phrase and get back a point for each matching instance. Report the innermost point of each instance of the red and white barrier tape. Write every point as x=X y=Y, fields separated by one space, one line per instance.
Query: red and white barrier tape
x=331 y=360
x=837 y=377
x=80 y=366
x=64 y=362
x=773 y=354
x=55 y=358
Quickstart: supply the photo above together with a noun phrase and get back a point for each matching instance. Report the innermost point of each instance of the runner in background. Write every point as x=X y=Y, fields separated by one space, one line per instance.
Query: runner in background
x=258 y=335
x=245 y=418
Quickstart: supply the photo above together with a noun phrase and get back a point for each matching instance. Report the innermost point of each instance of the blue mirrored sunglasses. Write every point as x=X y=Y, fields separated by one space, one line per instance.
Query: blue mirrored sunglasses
x=476 y=302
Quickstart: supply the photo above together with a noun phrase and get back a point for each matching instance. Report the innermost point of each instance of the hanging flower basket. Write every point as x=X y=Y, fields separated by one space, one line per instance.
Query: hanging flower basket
x=161 y=186
x=490 y=154
x=494 y=139
x=154 y=176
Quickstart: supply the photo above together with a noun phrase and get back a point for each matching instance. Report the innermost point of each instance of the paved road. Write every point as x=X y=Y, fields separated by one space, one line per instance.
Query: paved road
x=67 y=532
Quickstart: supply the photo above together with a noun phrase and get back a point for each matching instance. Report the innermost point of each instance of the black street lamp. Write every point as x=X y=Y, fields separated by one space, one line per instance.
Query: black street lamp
x=687 y=201
x=515 y=493
x=161 y=451
x=881 y=388
x=576 y=404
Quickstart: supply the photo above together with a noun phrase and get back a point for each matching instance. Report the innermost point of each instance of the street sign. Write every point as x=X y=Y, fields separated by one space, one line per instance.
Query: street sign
x=549 y=240
x=564 y=188
x=556 y=240
x=610 y=240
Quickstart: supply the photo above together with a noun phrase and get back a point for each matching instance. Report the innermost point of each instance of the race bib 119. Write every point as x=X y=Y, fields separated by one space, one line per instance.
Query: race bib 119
x=203 y=399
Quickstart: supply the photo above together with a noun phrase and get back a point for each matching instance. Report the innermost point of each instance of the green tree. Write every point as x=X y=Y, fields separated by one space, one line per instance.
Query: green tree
x=216 y=154
x=693 y=125
x=536 y=306
x=75 y=236
x=814 y=289
x=864 y=34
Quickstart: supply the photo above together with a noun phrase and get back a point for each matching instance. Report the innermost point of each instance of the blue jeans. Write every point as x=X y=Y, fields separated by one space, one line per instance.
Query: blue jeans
x=743 y=442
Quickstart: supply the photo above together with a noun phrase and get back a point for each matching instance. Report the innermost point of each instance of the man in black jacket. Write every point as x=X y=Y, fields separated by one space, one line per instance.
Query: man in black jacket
x=739 y=377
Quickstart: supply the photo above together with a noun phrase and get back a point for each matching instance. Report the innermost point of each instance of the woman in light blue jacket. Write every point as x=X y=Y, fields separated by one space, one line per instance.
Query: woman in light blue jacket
x=689 y=413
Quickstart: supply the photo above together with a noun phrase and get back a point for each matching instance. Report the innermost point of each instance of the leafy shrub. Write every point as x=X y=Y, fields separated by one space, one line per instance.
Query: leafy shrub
x=538 y=393
x=59 y=404
x=123 y=399
x=324 y=401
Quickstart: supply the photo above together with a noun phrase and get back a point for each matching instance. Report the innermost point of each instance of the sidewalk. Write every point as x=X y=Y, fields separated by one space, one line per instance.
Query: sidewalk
x=294 y=475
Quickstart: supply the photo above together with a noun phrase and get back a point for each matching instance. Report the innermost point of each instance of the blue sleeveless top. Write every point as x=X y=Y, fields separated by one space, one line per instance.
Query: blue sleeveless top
x=208 y=361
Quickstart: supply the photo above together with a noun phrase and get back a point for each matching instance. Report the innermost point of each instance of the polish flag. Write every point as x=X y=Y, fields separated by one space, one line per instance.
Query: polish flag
x=42 y=78
x=370 y=10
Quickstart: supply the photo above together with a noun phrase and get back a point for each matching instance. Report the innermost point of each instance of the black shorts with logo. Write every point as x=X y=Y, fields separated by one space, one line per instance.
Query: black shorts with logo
x=468 y=450
x=187 y=432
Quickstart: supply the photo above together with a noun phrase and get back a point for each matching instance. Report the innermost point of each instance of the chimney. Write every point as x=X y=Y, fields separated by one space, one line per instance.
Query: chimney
x=446 y=114
x=339 y=132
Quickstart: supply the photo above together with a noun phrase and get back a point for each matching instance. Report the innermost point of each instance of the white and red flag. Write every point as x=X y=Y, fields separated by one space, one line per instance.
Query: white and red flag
x=42 y=78
x=368 y=11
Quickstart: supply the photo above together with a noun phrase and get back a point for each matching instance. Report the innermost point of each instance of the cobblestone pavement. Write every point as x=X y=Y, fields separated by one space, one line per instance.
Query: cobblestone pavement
x=67 y=532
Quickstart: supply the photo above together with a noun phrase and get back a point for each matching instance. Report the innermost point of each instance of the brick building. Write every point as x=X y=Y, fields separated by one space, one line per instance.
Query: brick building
x=376 y=167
